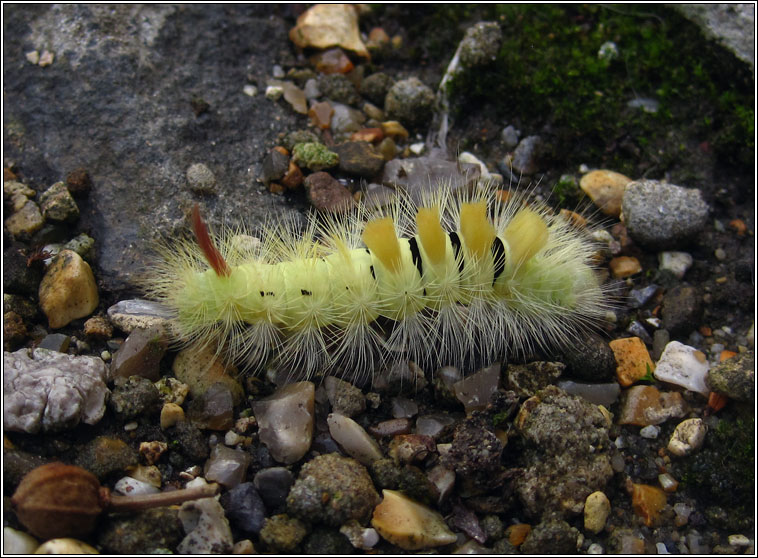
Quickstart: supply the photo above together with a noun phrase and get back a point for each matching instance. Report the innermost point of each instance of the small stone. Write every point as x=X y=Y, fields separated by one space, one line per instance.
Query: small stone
x=328 y=25
x=285 y=421
x=359 y=158
x=734 y=377
x=214 y=409
x=140 y=354
x=25 y=221
x=130 y=314
x=244 y=508
x=662 y=216
x=443 y=481
x=250 y=90
x=172 y=390
x=141 y=533
x=321 y=114
x=606 y=189
x=201 y=179
x=226 y=466
x=98 y=327
x=360 y=537
x=374 y=113
x=65 y=546
x=682 y=309
x=18 y=542
x=470 y=158
x=345 y=121
x=68 y=290
x=273 y=485
x=207 y=529
x=353 y=439
x=332 y=61
x=14 y=331
x=133 y=487
x=105 y=456
x=526 y=155
x=78 y=181
x=527 y=379
x=599 y=394
x=274 y=92
x=311 y=89
x=46 y=58
x=410 y=101
x=650 y=431
x=624 y=266
x=683 y=366
x=411 y=448
x=32 y=57
x=327 y=194
x=346 y=399
x=371 y=135
x=57 y=204
x=339 y=89
x=480 y=44
x=647 y=502
x=332 y=489
x=282 y=532
x=738 y=541
x=597 y=507
x=391 y=427
x=517 y=533
x=294 y=96
x=667 y=482
x=376 y=86
x=146 y=473
x=688 y=437
x=152 y=451
x=475 y=390
x=644 y=405
x=417 y=148
x=134 y=397
x=201 y=368
x=55 y=342
x=632 y=358
x=408 y=524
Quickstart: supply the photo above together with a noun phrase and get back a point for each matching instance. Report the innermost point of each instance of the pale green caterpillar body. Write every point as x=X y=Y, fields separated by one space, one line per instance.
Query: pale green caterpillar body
x=453 y=279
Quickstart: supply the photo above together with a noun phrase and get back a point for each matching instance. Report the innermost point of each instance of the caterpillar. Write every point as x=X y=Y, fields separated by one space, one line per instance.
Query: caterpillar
x=454 y=278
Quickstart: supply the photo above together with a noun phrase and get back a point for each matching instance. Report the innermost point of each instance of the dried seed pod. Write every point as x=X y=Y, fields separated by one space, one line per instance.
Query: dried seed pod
x=58 y=500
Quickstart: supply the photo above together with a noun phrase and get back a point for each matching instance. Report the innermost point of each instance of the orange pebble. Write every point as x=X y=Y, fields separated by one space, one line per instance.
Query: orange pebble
x=739 y=226
x=705 y=331
x=624 y=266
x=726 y=355
x=632 y=359
x=368 y=134
x=517 y=533
x=716 y=401
x=647 y=502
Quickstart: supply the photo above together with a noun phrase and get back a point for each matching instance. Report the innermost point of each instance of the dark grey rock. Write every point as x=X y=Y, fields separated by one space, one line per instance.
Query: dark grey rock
x=375 y=87
x=423 y=174
x=116 y=100
x=589 y=358
x=201 y=179
x=551 y=537
x=142 y=533
x=338 y=88
x=190 y=441
x=275 y=165
x=359 y=158
x=682 y=310
x=663 y=216
x=526 y=156
x=273 y=485
x=244 y=508
x=134 y=397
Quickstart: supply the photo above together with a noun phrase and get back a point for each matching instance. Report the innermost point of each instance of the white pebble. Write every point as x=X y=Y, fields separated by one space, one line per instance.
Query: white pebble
x=250 y=90
x=683 y=366
x=33 y=57
x=595 y=548
x=688 y=437
x=467 y=157
x=676 y=262
x=231 y=438
x=650 y=432
x=133 y=487
x=661 y=548
x=417 y=148
x=274 y=92
x=738 y=540
x=18 y=542
x=129 y=426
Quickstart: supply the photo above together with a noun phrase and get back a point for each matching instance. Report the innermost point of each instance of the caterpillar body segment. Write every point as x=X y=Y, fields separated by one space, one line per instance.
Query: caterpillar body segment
x=453 y=278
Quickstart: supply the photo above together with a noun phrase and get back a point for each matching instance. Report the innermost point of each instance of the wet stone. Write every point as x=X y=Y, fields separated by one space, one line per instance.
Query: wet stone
x=55 y=342
x=134 y=397
x=632 y=358
x=214 y=409
x=645 y=405
x=683 y=366
x=551 y=537
x=332 y=489
x=273 y=485
x=606 y=190
x=140 y=354
x=244 y=508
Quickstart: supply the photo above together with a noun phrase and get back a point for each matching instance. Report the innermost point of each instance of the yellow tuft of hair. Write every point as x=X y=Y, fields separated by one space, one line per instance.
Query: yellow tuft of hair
x=431 y=234
x=526 y=235
x=476 y=228
x=379 y=236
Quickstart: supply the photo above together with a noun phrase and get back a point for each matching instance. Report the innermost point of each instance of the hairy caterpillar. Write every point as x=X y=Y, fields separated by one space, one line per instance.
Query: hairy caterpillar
x=452 y=278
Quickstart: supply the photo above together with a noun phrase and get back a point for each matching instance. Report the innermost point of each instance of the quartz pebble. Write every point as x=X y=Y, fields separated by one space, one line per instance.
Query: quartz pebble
x=408 y=524
x=683 y=366
x=359 y=536
x=68 y=290
x=353 y=439
x=443 y=480
x=206 y=526
x=645 y=405
x=676 y=262
x=285 y=421
x=650 y=431
x=433 y=425
x=140 y=354
x=129 y=486
x=214 y=409
x=226 y=466
x=688 y=437
x=328 y=25
x=597 y=507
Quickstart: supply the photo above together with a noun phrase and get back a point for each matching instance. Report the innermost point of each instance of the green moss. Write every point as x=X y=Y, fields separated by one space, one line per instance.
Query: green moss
x=314 y=156
x=548 y=73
